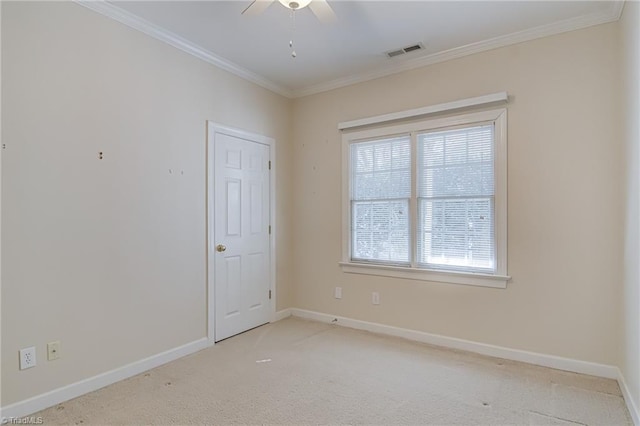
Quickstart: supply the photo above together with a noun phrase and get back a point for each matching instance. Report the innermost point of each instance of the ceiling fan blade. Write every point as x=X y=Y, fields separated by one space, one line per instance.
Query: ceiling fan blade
x=257 y=7
x=323 y=11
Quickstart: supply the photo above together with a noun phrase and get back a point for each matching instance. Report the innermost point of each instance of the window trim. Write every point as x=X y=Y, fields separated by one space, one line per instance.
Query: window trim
x=499 y=278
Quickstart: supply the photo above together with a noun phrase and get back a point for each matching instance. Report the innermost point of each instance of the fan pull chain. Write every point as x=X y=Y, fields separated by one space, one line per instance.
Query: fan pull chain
x=293 y=30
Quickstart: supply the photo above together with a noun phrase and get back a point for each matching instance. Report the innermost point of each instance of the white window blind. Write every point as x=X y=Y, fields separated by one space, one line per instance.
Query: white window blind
x=380 y=194
x=456 y=199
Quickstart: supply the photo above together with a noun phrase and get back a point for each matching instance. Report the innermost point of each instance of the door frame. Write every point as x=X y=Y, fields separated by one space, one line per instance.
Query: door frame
x=213 y=129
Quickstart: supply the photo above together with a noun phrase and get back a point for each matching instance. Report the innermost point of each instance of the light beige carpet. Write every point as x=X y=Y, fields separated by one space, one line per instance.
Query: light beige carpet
x=302 y=372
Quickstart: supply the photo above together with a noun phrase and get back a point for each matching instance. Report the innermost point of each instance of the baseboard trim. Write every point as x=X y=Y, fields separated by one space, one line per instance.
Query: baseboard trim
x=74 y=390
x=560 y=363
x=280 y=315
x=628 y=398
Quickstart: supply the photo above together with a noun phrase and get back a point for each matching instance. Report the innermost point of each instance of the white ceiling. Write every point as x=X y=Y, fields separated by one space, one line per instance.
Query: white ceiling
x=353 y=48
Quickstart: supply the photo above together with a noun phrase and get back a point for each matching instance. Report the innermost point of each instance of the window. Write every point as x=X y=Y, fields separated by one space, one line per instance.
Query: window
x=381 y=193
x=427 y=200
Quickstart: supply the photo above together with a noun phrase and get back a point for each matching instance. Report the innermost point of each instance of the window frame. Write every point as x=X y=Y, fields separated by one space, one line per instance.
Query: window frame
x=499 y=278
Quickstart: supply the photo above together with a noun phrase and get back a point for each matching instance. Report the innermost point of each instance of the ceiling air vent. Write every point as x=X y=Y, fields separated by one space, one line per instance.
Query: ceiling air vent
x=398 y=52
x=395 y=53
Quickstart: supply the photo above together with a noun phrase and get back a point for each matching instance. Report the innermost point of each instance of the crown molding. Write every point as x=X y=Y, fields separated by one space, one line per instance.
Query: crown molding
x=616 y=9
x=144 y=26
x=118 y=14
x=558 y=27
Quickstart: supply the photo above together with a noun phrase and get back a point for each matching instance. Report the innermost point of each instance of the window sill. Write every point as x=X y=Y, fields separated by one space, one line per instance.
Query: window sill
x=482 y=280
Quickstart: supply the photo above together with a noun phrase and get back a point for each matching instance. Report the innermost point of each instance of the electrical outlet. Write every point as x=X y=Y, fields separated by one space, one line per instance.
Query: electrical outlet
x=53 y=350
x=338 y=293
x=27 y=358
x=375 y=298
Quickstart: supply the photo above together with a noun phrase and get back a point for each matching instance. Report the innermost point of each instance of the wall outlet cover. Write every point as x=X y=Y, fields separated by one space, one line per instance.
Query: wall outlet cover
x=338 y=293
x=27 y=358
x=53 y=350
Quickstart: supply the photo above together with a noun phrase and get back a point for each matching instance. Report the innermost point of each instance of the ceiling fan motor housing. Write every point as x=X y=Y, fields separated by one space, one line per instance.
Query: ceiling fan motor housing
x=295 y=5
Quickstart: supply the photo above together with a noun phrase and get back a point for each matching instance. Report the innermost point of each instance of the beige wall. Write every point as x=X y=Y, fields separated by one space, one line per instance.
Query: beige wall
x=565 y=201
x=109 y=256
x=630 y=53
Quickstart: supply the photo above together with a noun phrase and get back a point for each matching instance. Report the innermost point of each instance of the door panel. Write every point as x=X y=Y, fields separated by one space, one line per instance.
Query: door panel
x=256 y=207
x=233 y=207
x=255 y=267
x=241 y=229
x=230 y=278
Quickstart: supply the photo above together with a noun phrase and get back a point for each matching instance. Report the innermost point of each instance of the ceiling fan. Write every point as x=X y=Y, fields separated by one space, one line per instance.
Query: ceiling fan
x=320 y=8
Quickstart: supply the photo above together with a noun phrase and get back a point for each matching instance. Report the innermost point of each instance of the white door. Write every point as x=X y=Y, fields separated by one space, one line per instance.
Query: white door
x=240 y=244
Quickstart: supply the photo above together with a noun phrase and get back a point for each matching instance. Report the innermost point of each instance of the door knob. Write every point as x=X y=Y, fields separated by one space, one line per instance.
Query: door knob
x=221 y=248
